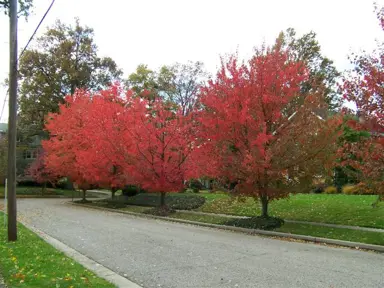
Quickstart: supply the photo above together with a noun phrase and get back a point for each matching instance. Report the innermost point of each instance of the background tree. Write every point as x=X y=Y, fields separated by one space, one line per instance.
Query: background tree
x=144 y=82
x=65 y=59
x=352 y=134
x=182 y=83
x=322 y=71
x=40 y=173
x=24 y=7
x=364 y=86
x=178 y=83
x=250 y=140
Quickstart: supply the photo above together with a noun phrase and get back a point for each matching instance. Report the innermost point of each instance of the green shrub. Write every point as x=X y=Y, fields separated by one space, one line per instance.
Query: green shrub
x=358 y=189
x=195 y=185
x=28 y=190
x=113 y=203
x=330 y=190
x=187 y=202
x=130 y=190
x=350 y=190
x=178 y=202
x=365 y=189
x=160 y=211
x=64 y=183
x=319 y=188
x=265 y=223
x=83 y=201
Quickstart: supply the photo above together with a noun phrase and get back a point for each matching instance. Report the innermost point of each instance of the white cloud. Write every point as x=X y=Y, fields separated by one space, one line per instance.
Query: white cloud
x=162 y=32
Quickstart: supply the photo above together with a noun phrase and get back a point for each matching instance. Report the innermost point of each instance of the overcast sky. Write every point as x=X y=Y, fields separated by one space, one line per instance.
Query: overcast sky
x=157 y=32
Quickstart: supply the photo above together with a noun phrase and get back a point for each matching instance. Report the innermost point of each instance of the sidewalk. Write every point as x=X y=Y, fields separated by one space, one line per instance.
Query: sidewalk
x=292 y=221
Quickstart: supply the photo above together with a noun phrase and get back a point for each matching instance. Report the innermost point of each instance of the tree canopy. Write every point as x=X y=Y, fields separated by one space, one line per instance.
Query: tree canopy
x=64 y=59
x=322 y=71
x=250 y=140
x=177 y=83
x=363 y=86
x=24 y=9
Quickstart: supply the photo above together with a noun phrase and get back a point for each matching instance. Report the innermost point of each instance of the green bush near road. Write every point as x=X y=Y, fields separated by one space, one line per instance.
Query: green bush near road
x=258 y=222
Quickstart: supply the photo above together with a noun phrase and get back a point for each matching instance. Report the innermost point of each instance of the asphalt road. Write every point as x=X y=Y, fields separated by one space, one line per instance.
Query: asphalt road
x=156 y=253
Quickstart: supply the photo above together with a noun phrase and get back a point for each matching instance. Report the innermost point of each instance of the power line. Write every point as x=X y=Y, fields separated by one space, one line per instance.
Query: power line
x=37 y=28
x=2 y=109
x=25 y=48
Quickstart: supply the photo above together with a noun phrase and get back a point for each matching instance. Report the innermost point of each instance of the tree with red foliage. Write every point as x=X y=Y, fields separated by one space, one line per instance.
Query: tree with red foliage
x=161 y=145
x=103 y=132
x=255 y=137
x=39 y=172
x=364 y=86
x=110 y=140
x=68 y=140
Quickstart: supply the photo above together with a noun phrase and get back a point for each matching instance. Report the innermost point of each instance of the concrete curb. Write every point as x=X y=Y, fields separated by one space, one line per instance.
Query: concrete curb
x=88 y=263
x=356 y=245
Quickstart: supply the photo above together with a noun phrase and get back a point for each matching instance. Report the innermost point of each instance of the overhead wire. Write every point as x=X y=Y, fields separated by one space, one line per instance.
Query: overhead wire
x=25 y=48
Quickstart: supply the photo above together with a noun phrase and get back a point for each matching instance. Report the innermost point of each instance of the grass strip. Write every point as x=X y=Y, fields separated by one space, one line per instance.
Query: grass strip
x=353 y=210
x=367 y=237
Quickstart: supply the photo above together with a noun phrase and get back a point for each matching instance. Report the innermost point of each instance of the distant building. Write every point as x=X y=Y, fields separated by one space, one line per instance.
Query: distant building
x=26 y=152
x=3 y=130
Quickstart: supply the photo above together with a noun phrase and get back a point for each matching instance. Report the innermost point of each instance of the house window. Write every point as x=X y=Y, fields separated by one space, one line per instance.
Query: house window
x=30 y=154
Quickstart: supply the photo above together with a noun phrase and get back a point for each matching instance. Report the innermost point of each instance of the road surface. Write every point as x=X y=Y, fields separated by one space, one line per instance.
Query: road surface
x=156 y=253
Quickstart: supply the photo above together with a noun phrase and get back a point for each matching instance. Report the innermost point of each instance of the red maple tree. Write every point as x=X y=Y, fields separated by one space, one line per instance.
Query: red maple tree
x=160 y=145
x=260 y=134
x=111 y=138
x=40 y=173
x=106 y=148
x=364 y=87
x=68 y=140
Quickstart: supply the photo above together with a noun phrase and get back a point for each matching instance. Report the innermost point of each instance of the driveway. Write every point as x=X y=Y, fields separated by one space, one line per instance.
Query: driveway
x=156 y=253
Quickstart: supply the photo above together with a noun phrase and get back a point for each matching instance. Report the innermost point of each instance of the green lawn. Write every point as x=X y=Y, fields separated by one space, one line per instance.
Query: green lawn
x=353 y=210
x=376 y=238
x=31 y=262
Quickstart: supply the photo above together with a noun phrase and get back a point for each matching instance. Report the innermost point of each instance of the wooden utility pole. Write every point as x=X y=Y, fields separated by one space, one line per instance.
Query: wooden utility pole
x=11 y=185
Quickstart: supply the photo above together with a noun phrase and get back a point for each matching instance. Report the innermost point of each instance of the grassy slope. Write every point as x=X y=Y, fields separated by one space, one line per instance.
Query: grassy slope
x=301 y=229
x=338 y=209
x=31 y=262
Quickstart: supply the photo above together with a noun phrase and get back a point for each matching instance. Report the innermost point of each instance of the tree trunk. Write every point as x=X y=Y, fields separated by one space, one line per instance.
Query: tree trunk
x=113 y=191
x=264 y=206
x=379 y=198
x=44 y=188
x=84 y=194
x=162 y=199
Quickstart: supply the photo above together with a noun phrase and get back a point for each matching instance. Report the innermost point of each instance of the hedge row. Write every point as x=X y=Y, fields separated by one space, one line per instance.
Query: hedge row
x=177 y=202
